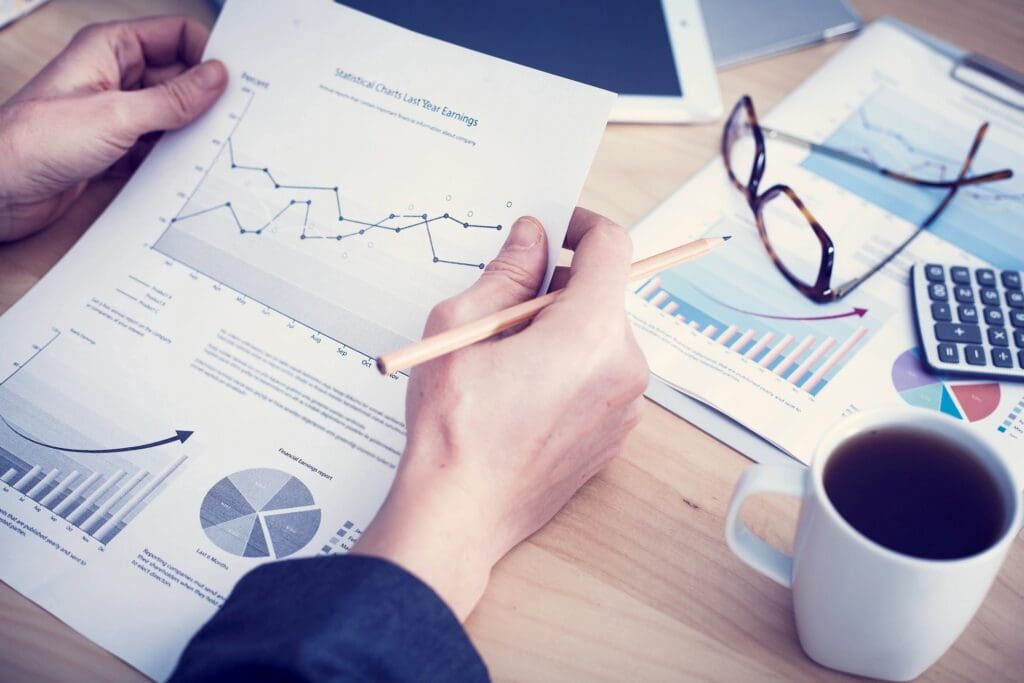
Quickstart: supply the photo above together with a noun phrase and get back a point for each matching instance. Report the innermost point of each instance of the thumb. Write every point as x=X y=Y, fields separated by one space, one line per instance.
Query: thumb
x=514 y=276
x=173 y=103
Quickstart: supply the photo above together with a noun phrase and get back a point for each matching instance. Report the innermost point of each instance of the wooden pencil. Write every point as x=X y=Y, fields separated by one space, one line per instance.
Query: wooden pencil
x=462 y=336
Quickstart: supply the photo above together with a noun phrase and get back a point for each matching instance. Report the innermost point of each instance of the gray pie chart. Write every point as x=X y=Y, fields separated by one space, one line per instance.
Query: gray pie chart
x=261 y=512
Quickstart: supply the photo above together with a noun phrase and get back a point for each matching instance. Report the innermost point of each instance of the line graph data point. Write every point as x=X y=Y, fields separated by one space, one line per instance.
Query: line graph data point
x=277 y=220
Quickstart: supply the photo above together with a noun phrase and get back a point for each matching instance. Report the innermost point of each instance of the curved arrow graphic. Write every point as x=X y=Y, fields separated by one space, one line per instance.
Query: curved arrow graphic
x=856 y=311
x=180 y=435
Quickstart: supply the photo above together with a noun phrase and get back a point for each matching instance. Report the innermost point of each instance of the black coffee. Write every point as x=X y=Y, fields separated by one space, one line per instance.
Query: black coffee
x=916 y=493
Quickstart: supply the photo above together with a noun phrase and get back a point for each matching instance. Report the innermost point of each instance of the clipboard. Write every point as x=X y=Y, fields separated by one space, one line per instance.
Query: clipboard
x=971 y=69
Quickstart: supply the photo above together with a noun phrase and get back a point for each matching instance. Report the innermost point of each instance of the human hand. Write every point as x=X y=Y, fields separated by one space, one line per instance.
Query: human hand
x=88 y=108
x=503 y=433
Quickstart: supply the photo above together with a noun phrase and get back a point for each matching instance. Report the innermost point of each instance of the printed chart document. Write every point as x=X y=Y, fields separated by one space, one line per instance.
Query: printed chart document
x=731 y=331
x=191 y=391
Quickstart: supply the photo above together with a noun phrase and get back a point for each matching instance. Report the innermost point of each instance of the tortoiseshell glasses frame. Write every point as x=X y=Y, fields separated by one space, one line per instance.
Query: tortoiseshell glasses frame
x=743 y=119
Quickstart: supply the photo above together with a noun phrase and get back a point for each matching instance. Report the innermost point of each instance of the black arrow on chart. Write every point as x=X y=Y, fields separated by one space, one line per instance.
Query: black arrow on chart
x=180 y=435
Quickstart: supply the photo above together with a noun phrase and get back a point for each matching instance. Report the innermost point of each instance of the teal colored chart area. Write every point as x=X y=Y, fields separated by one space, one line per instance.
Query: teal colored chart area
x=949 y=405
x=260 y=512
x=929 y=396
x=902 y=135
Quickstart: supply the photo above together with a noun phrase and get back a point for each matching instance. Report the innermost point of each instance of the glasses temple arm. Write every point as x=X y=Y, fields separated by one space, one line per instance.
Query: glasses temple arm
x=843 y=155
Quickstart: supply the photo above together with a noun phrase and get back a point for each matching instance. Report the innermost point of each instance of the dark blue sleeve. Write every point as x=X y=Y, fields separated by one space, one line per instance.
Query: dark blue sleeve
x=348 y=618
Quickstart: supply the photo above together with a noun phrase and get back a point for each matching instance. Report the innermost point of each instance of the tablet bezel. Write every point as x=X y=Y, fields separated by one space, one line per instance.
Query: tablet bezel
x=691 y=52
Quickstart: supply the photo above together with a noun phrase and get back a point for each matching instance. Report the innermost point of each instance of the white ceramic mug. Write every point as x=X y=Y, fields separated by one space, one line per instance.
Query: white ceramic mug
x=860 y=607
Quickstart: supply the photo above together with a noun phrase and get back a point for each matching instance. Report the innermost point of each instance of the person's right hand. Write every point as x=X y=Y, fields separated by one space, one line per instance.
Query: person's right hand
x=503 y=433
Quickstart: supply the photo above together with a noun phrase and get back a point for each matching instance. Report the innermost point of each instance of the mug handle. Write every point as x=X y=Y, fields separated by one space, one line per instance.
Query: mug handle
x=787 y=480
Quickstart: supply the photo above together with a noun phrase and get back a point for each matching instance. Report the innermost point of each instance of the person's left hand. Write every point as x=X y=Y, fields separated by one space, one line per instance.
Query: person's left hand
x=88 y=109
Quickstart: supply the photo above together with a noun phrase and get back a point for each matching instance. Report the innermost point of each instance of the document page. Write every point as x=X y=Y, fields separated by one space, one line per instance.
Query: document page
x=191 y=391
x=731 y=331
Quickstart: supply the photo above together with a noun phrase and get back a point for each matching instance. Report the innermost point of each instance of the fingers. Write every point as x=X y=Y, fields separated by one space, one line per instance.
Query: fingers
x=593 y=301
x=166 y=40
x=512 y=277
x=170 y=104
x=158 y=74
x=116 y=55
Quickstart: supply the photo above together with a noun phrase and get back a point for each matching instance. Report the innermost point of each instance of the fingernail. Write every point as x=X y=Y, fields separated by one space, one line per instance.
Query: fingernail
x=209 y=75
x=525 y=234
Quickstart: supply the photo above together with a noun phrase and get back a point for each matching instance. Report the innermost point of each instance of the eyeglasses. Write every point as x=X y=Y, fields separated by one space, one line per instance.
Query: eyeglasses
x=796 y=242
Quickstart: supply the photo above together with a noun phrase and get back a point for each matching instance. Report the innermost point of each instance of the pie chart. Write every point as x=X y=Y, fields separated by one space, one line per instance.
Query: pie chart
x=260 y=512
x=971 y=401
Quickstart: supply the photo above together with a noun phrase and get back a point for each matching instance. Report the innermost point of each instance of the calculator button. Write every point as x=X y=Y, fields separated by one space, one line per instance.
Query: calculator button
x=967 y=314
x=1011 y=279
x=1020 y=359
x=934 y=273
x=960 y=275
x=1017 y=317
x=989 y=297
x=986 y=277
x=1001 y=358
x=964 y=295
x=958 y=332
x=1015 y=299
x=974 y=355
x=997 y=337
x=994 y=316
x=938 y=292
x=1018 y=338
x=941 y=312
x=949 y=354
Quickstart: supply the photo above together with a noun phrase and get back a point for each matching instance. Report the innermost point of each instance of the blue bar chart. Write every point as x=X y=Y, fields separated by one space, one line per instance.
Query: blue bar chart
x=54 y=448
x=763 y=319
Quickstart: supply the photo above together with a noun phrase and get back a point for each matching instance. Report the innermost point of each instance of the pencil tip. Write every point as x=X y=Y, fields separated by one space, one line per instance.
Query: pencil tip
x=726 y=238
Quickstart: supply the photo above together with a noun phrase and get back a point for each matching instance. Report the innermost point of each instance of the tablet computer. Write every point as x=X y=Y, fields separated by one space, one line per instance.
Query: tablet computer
x=653 y=53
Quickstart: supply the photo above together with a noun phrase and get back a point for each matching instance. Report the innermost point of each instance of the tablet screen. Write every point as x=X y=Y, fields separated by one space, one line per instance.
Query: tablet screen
x=618 y=45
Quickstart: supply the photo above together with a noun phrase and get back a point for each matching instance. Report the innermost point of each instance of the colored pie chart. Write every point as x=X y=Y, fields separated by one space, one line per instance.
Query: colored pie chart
x=971 y=401
x=260 y=512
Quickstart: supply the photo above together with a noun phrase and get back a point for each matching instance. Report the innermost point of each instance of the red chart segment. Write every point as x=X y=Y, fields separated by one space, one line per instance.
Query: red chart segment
x=977 y=400
x=919 y=387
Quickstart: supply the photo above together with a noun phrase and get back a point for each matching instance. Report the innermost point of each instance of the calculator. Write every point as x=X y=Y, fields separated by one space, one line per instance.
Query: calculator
x=970 y=320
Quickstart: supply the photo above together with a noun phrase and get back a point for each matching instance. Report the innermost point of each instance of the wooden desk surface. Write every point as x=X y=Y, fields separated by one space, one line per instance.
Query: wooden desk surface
x=633 y=580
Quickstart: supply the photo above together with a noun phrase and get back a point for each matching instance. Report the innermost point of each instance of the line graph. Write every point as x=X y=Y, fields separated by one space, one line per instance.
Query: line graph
x=900 y=134
x=356 y=236
x=396 y=223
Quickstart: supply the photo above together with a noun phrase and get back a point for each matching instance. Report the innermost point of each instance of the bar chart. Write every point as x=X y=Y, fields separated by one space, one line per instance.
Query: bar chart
x=763 y=319
x=50 y=401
